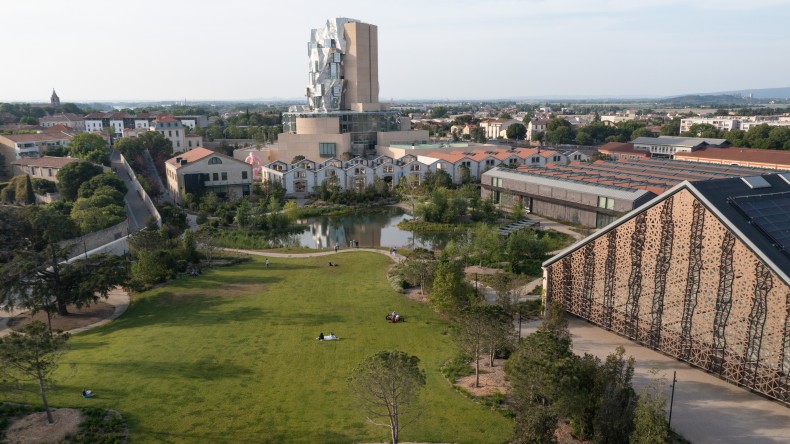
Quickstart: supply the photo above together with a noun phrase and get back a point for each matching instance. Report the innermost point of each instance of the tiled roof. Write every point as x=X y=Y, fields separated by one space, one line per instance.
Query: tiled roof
x=46 y=161
x=40 y=137
x=197 y=154
x=166 y=119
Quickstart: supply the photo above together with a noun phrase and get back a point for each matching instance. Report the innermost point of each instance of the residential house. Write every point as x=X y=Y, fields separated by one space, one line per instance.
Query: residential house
x=45 y=167
x=201 y=171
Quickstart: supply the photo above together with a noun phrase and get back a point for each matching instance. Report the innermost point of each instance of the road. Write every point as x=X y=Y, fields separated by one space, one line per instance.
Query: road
x=135 y=207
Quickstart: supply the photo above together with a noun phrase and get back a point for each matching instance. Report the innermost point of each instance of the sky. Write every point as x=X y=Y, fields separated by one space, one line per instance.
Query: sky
x=98 y=50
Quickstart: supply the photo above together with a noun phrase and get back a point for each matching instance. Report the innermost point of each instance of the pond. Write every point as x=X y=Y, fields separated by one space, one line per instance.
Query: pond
x=377 y=228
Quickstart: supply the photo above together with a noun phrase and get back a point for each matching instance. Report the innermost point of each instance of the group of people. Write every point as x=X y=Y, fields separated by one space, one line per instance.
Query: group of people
x=333 y=264
x=353 y=244
x=330 y=337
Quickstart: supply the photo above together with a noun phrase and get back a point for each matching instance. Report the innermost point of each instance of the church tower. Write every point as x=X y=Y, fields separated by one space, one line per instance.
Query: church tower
x=55 y=100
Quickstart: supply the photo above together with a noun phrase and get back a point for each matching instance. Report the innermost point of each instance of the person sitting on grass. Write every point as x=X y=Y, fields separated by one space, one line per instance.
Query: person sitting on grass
x=321 y=336
x=87 y=393
x=331 y=337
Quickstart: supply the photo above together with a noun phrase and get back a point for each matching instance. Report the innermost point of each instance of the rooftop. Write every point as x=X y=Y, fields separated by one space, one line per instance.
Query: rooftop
x=679 y=141
x=45 y=161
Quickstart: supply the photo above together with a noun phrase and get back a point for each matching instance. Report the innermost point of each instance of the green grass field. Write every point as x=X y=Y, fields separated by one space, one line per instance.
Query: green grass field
x=231 y=356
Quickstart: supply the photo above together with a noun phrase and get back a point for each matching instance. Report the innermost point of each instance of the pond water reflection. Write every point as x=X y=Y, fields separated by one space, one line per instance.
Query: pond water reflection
x=371 y=229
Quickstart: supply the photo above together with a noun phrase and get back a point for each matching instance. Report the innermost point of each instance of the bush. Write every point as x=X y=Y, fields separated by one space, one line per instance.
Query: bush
x=100 y=426
x=457 y=367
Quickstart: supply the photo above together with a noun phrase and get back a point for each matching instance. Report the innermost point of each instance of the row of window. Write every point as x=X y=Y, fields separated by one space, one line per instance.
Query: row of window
x=214 y=177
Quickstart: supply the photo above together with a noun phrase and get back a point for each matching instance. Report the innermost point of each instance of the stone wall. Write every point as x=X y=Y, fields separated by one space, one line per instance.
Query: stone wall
x=96 y=239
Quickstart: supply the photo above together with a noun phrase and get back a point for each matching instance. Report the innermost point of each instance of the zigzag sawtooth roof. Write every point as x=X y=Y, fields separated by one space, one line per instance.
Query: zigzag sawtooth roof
x=678 y=141
x=536 y=175
x=717 y=196
x=656 y=176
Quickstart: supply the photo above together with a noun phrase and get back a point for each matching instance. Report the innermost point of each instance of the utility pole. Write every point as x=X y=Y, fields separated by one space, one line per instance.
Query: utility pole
x=672 y=397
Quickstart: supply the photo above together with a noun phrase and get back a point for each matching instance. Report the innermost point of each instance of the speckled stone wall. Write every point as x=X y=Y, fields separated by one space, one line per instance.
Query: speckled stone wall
x=675 y=279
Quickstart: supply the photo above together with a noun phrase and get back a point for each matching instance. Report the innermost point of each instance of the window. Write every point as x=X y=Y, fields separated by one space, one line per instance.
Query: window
x=224 y=176
x=178 y=143
x=496 y=182
x=388 y=169
x=214 y=161
x=215 y=176
x=32 y=171
x=414 y=167
x=169 y=133
x=327 y=149
x=535 y=160
x=50 y=172
x=190 y=144
x=300 y=174
x=204 y=176
x=556 y=158
x=331 y=173
x=243 y=174
x=176 y=133
x=606 y=202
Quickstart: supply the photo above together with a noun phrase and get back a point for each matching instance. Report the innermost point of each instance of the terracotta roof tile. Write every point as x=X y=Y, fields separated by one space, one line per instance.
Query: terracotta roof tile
x=46 y=161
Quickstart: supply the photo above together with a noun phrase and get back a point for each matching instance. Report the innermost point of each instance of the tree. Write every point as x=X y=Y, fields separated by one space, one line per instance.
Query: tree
x=449 y=291
x=470 y=327
x=130 y=147
x=105 y=179
x=538 y=371
x=418 y=268
x=90 y=147
x=297 y=159
x=73 y=175
x=613 y=420
x=157 y=144
x=672 y=128
x=386 y=385
x=650 y=419
x=32 y=355
x=642 y=132
x=516 y=131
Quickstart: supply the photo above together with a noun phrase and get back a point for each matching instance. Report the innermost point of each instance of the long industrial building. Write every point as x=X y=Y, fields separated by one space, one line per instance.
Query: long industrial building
x=700 y=273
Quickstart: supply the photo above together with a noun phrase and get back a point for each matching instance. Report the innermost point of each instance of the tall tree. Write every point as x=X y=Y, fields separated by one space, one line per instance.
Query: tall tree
x=90 y=147
x=470 y=327
x=516 y=131
x=73 y=175
x=449 y=291
x=32 y=355
x=387 y=385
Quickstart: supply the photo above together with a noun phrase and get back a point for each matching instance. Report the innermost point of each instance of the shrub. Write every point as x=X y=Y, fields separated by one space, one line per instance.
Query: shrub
x=457 y=367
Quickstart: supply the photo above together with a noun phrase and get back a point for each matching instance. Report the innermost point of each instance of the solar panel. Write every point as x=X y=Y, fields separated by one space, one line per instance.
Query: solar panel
x=755 y=182
x=771 y=214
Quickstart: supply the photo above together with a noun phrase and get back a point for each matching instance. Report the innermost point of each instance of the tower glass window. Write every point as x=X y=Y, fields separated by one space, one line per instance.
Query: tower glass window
x=327 y=149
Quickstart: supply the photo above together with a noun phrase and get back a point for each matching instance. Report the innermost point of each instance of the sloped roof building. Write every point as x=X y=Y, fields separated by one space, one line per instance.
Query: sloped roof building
x=699 y=273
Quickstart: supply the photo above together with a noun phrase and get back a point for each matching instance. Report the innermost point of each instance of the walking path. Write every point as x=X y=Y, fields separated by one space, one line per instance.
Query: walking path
x=396 y=257
x=117 y=297
x=706 y=409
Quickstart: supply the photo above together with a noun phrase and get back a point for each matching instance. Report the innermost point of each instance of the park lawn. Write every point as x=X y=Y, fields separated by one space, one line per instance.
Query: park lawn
x=231 y=356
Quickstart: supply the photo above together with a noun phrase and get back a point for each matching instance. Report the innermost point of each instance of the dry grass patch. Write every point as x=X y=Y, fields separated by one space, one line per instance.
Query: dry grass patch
x=34 y=428
x=78 y=317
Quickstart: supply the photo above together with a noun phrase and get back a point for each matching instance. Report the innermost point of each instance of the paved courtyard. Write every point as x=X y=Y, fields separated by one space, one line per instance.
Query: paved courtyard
x=706 y=409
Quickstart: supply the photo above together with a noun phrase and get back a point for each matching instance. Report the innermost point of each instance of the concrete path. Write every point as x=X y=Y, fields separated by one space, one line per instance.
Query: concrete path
x=118 y=298
x=396 y=257
x=706 y=409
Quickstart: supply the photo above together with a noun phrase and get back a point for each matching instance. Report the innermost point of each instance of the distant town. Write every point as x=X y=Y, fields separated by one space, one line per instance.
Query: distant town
x=563 y=271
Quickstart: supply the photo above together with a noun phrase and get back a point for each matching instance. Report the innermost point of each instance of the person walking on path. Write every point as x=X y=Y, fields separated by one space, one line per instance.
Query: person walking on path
x=336 y=246
x=267 y=262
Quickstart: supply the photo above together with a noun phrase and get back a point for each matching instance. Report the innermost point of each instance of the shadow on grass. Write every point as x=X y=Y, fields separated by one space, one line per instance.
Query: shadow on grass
x=170 y=308
x=325 y=437
x=203 y=370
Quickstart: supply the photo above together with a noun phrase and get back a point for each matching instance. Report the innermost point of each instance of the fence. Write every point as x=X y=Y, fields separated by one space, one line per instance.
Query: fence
x=96 y=239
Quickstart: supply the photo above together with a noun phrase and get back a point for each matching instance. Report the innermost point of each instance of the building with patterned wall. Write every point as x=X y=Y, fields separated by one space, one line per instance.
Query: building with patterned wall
x=699 y=273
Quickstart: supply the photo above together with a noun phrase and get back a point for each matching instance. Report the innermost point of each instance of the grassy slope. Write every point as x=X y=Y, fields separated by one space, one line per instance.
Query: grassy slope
x=230 y=356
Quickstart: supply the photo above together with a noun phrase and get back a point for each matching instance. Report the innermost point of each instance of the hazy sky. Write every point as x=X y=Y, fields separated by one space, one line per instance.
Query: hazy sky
x=484 y=49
